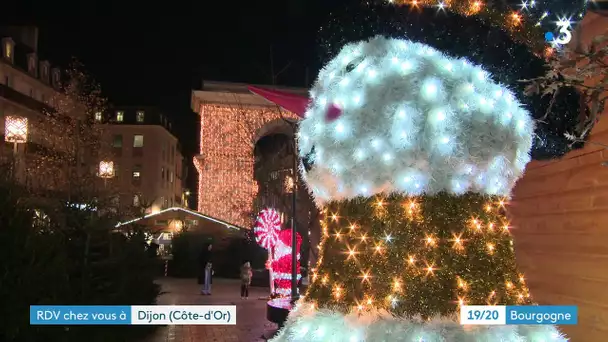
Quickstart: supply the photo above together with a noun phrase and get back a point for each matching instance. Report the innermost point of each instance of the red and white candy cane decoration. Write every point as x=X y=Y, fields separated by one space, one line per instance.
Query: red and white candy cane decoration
x=267 y=227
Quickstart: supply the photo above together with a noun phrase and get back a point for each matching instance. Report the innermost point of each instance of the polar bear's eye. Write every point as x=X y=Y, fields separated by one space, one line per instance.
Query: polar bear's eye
x=308 y=160
x=353 y=64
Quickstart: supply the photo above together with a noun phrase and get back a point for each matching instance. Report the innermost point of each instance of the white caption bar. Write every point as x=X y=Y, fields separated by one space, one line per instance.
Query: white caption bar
x=183 y=315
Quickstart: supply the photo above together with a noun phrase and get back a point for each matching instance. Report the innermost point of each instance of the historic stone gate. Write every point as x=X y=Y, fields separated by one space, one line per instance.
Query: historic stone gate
x=232 y=120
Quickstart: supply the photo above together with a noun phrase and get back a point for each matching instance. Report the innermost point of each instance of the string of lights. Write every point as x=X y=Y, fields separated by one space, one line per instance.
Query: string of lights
x=531 y=22
x=226 y=187
x=416 y=255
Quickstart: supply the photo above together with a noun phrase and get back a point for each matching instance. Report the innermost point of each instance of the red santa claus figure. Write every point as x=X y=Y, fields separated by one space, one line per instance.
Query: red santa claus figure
x=281 y=264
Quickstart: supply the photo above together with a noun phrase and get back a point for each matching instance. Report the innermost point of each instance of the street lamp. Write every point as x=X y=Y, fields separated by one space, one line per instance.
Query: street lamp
x=106 y=171
x=16 y=132
x=294 y=230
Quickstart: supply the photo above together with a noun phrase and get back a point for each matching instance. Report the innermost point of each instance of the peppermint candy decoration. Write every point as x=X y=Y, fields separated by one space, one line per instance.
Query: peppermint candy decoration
x=267 y=227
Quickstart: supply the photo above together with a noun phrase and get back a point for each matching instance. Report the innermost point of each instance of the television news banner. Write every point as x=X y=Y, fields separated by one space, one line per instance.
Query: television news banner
x=226 y=315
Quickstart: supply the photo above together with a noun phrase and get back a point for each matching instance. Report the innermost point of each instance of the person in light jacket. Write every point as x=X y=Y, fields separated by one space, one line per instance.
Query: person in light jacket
x=246 y=275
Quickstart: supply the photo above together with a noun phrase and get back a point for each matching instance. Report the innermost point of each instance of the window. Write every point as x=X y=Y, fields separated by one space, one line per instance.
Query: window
x=136 y=172
x=98 y=119
x=117 y=140
x=162 y=173
x=120 y=116
x=136 y=201
x=32 y=65
x=56 y=77
x=138 y=140
x=288 y=186
x=45 y=73
x=8 y=50
x=140 y=116
x=171 y=176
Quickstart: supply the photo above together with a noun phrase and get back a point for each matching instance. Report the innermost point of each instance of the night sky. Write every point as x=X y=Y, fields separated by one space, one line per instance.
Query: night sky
x=155 y=53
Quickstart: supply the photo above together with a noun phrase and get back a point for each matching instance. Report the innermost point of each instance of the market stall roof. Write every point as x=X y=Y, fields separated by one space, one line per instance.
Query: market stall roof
x=179 y=209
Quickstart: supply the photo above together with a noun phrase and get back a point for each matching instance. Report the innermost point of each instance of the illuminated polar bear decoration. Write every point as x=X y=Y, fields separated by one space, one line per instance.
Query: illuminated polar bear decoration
x=390 y=115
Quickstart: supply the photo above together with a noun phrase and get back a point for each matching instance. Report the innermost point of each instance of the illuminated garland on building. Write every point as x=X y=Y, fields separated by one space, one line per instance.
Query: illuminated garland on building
x=226 y=187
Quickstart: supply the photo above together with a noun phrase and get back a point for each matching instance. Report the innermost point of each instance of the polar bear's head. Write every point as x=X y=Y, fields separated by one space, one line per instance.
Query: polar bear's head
x=390 y=115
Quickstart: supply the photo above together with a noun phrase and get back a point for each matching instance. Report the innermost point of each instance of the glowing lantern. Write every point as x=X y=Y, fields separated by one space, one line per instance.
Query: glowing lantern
x=106 y=169
x=15 y=129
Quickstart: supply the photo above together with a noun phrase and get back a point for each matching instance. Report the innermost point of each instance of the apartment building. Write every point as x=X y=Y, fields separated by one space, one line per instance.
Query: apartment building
x=146 y=156
x=29 y=86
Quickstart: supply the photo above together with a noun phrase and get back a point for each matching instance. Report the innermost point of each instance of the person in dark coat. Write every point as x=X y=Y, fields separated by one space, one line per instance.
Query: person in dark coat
x=205 y=269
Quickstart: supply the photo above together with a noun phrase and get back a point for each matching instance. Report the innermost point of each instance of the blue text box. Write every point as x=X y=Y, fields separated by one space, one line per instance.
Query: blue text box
x=542 y=314
x=80 y=315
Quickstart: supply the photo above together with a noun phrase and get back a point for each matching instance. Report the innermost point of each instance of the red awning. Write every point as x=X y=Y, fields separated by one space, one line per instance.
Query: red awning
x=294 y=103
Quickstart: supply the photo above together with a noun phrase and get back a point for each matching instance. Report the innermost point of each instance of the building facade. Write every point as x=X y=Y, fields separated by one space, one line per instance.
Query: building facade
x=30 y=88
x=146 y=157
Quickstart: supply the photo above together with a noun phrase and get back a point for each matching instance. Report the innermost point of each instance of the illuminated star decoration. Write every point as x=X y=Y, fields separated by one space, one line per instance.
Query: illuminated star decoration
x=267 y=227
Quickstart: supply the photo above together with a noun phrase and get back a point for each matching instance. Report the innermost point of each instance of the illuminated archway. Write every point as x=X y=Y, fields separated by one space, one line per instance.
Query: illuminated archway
x=232 y=120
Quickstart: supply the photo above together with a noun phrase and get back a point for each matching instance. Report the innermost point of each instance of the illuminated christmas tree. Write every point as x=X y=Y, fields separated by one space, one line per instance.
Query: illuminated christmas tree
x=412 y=149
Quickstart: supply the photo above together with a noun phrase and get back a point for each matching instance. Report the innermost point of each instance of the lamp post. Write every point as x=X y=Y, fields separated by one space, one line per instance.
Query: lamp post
x=106 y=171
x=16 y=132
x=294 y=231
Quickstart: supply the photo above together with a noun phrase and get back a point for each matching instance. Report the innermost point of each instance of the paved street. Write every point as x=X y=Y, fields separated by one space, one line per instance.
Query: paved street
x=251 y=314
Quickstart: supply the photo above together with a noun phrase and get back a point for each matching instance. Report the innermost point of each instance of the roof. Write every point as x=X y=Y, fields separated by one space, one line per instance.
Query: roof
x=226 y=93
x=187 y=211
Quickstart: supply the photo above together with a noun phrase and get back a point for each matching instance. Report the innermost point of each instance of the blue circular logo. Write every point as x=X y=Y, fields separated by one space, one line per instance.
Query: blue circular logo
x=549 y=36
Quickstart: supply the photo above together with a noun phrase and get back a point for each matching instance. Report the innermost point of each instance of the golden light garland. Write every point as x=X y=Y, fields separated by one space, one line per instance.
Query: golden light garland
x=226 y=186
x=514 y=23
x=422 y=256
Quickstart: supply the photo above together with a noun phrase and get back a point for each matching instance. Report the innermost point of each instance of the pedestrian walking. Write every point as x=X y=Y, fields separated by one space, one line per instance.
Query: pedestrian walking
x=206 y=269
x=246 y=275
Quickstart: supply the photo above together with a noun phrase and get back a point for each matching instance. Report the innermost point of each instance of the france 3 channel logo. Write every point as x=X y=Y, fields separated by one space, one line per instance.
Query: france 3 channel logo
x=515 y=315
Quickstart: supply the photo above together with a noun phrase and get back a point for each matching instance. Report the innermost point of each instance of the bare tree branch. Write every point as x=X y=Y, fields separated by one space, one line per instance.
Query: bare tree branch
x=584 y=68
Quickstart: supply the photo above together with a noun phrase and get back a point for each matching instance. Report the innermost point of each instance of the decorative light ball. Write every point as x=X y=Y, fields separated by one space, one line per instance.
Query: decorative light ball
x=267 y=227
x=422 y=122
